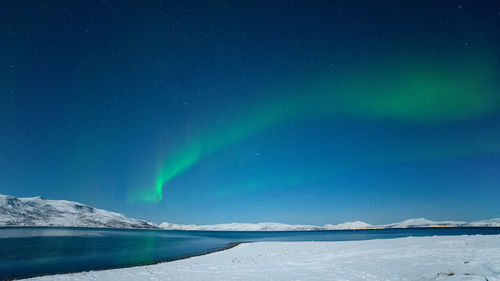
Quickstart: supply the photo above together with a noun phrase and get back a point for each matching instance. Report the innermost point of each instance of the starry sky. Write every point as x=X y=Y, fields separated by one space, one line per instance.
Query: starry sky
x=203 y=112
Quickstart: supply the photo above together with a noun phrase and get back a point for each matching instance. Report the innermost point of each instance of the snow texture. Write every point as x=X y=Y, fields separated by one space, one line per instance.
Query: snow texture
x=35 y=211
x=413 y=258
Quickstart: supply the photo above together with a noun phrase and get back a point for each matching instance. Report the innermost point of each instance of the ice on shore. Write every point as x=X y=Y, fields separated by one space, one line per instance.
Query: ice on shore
x=413 y=258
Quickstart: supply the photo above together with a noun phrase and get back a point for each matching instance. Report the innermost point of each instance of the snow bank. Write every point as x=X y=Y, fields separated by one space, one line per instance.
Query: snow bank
x=412 y=258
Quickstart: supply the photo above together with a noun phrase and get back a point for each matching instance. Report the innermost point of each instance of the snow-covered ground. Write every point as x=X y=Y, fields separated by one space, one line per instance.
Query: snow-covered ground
x=413 y=258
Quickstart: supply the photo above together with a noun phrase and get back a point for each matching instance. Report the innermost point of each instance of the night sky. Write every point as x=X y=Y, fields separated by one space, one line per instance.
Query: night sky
x=306 y=112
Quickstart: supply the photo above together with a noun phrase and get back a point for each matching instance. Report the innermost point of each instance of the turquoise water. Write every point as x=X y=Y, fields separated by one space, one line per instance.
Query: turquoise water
x=27 y=251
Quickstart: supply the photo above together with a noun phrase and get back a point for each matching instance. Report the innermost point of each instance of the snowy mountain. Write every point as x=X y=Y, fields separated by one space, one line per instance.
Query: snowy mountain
x=421 y=222
x=174 y=226
x=348 y=225
x=486 y=223
x=263 y=226
x=271 y=226
x=35 y=211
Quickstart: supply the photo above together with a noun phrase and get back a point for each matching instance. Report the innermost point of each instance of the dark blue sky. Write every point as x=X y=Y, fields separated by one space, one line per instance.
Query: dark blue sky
x=217 y=111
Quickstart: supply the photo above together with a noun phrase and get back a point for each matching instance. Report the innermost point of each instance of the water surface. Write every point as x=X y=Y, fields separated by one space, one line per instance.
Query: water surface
x=29 y=251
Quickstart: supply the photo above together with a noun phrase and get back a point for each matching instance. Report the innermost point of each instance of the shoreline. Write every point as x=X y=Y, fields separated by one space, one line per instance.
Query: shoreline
x=198 y=230
x=468 y=257
x=229 y=246
x=238 y=239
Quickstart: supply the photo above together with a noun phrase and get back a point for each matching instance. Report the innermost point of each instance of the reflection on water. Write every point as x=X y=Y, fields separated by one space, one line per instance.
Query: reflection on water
x=18 y=232
x=27 y=251
x=140 y=252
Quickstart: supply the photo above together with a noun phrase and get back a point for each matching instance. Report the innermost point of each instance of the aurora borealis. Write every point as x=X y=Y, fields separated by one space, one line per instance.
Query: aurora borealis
x=419 y=93
x=196 y=112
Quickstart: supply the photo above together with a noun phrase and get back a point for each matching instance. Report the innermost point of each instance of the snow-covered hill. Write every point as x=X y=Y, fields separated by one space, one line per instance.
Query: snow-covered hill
x=348 y=225
x=35 y=211
x=263 y=226
x=421 y=222
x=486 y=223
x=271 y=226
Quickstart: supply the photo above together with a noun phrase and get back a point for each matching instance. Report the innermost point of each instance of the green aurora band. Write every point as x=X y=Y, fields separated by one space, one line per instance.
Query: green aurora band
x=417 y=93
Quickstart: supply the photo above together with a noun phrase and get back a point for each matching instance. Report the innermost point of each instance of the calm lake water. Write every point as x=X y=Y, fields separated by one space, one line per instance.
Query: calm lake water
x=27 y=251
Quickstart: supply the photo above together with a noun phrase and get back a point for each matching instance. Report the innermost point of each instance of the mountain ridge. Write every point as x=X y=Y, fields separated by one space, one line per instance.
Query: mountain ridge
x=356 y=225
x=36 y=211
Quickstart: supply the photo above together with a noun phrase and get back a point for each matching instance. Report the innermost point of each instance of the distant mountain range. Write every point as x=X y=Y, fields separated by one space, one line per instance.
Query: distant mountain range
x=35 y=211
x=263 y=226
x=266 y=226
x=269 y=226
